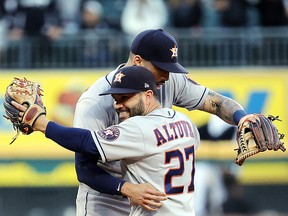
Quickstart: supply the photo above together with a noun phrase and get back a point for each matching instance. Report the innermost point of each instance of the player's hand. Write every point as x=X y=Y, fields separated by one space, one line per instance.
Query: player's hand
x=144 y=195
x=40 y=123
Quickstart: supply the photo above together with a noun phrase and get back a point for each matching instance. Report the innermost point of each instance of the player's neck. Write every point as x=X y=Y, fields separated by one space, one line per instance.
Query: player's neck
x=153 y=107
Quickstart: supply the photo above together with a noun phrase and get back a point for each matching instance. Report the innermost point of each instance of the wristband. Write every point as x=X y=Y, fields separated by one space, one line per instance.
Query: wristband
x=238 y=115
x=120 y=184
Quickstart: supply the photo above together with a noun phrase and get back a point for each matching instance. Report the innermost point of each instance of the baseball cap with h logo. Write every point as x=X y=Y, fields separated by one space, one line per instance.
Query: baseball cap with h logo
x=132 y=79
x=158 y=47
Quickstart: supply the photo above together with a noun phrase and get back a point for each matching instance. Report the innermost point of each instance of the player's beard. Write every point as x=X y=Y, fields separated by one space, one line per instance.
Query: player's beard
x=138 y=109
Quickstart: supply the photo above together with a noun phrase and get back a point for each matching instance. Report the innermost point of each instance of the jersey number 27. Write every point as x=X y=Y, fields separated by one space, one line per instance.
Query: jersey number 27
x=185 y=156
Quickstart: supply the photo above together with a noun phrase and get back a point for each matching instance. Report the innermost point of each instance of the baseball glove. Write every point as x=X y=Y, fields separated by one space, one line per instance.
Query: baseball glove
x=28 y=94
x=256 y=133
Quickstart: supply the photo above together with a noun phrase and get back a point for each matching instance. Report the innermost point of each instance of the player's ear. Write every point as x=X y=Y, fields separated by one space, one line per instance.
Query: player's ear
x=137 y=60
x=149 y=94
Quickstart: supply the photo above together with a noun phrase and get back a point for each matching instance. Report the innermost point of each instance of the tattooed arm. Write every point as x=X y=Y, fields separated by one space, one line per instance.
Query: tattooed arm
x=225 y=108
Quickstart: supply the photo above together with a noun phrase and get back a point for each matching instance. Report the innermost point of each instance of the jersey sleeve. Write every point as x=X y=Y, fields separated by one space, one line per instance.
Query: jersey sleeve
x=94 y=112
x=187 y=93
x=125 y=140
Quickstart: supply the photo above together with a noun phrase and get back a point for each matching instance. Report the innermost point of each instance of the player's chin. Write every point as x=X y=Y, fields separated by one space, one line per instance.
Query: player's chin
x=123 y=116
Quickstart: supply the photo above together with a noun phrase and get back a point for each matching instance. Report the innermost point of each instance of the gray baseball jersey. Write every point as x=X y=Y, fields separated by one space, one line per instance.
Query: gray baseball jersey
x=158 y=148
x=96 y=112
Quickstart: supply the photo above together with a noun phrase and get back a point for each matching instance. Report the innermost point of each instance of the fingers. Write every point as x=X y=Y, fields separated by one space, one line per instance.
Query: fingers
x=19 y=106
x=151 y=193
x=21 y=109
x=152 y=199
x=150 y=208
x=155 y=196
x=153 y=202
x=151 y=205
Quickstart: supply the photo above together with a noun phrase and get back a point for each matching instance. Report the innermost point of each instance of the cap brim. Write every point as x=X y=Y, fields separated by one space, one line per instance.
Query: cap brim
x=119 y=91
x=170 y=67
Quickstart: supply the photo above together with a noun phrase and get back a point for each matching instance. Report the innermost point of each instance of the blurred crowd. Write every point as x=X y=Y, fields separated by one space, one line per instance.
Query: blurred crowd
x=55 y=18
x=47 y=21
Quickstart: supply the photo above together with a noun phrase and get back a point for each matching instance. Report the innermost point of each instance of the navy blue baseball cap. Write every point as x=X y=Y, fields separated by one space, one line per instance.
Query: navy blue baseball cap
x=132 y=79
x=158 y=47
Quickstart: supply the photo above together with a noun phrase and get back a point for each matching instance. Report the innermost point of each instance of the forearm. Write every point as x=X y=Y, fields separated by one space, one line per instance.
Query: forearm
x=225 y=108
x=74 y=139
x=89 y=173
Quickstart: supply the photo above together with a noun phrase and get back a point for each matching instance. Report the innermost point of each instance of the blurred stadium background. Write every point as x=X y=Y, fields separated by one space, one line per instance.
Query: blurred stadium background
x=247 y=61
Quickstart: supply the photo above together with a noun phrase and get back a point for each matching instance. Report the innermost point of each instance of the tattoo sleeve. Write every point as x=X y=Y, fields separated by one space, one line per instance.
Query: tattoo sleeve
x=221 y=106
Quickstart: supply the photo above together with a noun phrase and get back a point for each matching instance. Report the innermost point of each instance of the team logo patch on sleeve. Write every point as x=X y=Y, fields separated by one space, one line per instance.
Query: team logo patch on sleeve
x=111 y=133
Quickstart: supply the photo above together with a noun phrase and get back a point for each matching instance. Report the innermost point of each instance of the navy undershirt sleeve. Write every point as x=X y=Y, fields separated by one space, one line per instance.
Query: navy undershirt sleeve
x=74 y=139
x=238 y=115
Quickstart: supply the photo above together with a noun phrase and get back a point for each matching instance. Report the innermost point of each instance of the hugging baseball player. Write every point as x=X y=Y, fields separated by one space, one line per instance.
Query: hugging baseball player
x=156 y=50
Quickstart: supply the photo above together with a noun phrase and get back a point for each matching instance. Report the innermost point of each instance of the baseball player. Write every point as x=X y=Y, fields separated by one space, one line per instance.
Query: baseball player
x=156 y=50
x=156 y=144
